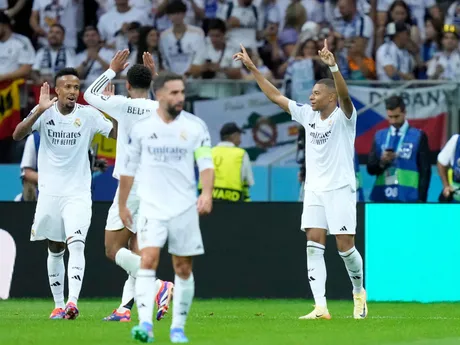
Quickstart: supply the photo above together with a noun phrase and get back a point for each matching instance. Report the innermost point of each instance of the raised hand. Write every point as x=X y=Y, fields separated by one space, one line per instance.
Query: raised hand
x=45 y=102
x=245 y=59
x=326 y=56
x=147 y=58
x=119 y=61
x=109 y=90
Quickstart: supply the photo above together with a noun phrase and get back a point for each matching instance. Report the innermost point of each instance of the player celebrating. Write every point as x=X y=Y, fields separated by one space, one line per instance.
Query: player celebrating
x=127 y=111
x=330 y=186
x=63 y=212
x=161 y=153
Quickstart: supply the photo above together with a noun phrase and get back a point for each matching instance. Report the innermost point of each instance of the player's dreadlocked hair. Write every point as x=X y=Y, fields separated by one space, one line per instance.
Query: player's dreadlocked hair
x=163 y=78
x=139 y=77
x=66 y=71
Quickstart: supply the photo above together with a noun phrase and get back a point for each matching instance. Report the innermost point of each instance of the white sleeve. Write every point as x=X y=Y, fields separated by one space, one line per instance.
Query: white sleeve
x=37 y=61
x=133 y=153
x=111 y=105
x=102 y=124
x=248 y=176
x=384 y=56
x=201 y=50
x=27 y=56
x=368 y=28
x=446 y=156
x=451 y=14
x=29 y=156
x=383 y=5
x=431 y=70
x=299 y=111
x=203 y=156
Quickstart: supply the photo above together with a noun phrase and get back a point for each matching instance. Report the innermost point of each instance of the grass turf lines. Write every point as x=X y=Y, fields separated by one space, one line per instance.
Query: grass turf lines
x=248 y=322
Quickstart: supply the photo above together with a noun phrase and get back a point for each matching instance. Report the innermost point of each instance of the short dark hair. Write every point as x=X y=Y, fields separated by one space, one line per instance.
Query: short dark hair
x=66 y=71
x=393 y=102
x=327 y=82
x=163 y=78
x=177 y=6
x=57 y=25
x=139 y=77
x=217 y=24
x=90 y=28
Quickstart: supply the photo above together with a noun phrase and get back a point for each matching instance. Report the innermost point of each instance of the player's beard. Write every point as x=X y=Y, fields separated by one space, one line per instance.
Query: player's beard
x=173 y=112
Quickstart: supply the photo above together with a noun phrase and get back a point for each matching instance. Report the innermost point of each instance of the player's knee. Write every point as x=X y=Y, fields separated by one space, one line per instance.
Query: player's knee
x=345 y=242
x=76 y=243
x=111 y=251
x=183 y=268
x=150 y=258
x=56 y=247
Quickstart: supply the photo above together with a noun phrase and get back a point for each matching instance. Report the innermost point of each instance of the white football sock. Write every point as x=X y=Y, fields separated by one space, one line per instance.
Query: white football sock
x=184 y=290
x=354 y=264
x=145 y=293
x=129 y=261
x=75 y=269
x=127 y=298
x=317 y=272
x=56 y=274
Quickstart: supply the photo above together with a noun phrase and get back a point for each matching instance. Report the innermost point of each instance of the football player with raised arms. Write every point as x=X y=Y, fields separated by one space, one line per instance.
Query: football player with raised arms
x=127 y=111
x=330 y=187
x=63 y=212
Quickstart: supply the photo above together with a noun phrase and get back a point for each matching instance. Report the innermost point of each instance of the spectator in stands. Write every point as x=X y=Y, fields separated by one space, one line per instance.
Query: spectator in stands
x=453 y=14
x=232 y=166
x=399 y=159
x=270 y=50
x=16 y=54
x=433 y=37
x=149 y=41
x=294 y=19
x=360 y=66
x=129 y=39
x=446 y=64
x=216 y=62
x=332 y=11
x=399 y=11
x=54 y=57
x=46 y=13
x=393 y=61
x=244 y=22
x=352 y=24
x=118 y=21
x=16 y=59
x=182 y=44
x=194 y=13
x=95 y=59
x=12 y=11
x=303 y=71
x=418 y=9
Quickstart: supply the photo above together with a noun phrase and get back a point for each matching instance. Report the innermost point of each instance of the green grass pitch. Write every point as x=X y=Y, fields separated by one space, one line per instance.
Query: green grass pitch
x=251 y=322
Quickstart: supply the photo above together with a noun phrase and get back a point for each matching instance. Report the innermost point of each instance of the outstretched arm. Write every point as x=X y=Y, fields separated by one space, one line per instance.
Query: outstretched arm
x=94 y=93
x=340 y=85
x=272 y=93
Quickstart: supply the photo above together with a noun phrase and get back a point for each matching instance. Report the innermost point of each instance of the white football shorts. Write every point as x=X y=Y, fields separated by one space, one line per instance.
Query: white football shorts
x=333 y=210
x=114 y=222
x=182 y=232
x=59 y=217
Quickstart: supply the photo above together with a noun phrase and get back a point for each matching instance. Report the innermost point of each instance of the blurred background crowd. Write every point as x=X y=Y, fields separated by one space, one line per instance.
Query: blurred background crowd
x=373 y=40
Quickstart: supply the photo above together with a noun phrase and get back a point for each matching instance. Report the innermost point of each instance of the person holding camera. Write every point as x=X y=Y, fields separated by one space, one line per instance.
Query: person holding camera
x=399 y=159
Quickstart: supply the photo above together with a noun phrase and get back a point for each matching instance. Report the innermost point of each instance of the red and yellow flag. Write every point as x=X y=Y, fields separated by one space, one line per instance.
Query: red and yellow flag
x=10 y=107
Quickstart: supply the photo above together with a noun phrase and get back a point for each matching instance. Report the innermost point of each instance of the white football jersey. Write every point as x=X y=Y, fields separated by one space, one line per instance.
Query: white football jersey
x=329 y=146
x=162 y=156
x=63 y=160
x=126 y=111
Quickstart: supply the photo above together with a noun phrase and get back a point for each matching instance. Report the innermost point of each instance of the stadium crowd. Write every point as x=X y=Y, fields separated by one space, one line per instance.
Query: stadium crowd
x=371 y=39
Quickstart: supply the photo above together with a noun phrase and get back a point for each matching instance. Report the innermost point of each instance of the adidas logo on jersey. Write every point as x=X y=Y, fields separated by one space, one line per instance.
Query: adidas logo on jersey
x=312 y=125
x=50 y=122
x=78 y=232
x=344 y=228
